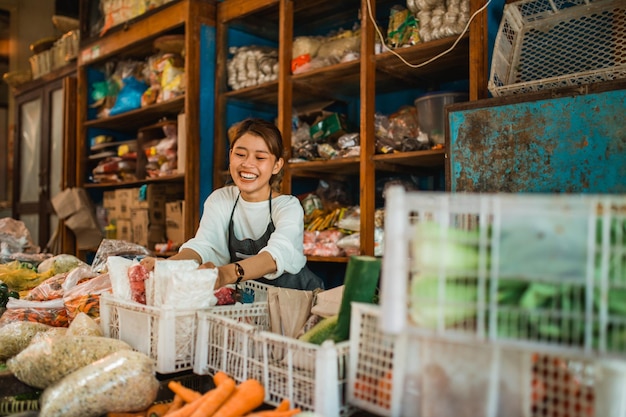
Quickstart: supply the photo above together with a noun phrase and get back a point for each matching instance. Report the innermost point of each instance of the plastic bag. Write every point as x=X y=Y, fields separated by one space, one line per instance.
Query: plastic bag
x=118 y=274
x=83 y=325
x=50 y=312
x=129 y=97
x=59 y=264
x=15 y=237
x=191 y=289
x=113 y=247
x=85 y=297
x=158 y=286
x=15 y=336
x=20 y=276
x=49 y=289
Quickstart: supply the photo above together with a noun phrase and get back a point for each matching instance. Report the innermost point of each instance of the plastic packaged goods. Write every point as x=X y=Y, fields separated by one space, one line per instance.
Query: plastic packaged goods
x=440 y=18
x=15 y=336
x=251 y=66
x=51 y=359
x=122 y=381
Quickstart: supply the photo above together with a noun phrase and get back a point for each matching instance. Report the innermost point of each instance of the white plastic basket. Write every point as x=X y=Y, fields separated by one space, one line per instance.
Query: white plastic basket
x=167 y=335
x=546 y=44
x=311 y=377
x=533 y=270
x=424 y=376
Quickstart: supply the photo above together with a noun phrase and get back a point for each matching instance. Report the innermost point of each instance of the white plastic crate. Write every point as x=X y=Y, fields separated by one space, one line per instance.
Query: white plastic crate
x=168 y=335
x=546 y=44
x=533 y=270
x=310 y=376
x=426 y=376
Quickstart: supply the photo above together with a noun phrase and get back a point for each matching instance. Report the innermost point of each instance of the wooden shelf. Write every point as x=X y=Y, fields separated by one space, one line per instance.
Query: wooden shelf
x=135 y=183
x=414 y=159
x=392 y=73
x=335 y=259
x=135 y=119
x=339 y=166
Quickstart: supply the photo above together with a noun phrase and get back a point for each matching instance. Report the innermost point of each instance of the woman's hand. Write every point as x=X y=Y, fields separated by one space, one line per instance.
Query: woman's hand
x=148 y=263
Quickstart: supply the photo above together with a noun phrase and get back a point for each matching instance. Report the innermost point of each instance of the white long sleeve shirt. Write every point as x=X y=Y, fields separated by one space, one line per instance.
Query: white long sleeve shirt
x=250 y=221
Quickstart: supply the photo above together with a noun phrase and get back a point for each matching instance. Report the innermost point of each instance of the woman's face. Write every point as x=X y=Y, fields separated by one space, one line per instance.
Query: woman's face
x=252 y=166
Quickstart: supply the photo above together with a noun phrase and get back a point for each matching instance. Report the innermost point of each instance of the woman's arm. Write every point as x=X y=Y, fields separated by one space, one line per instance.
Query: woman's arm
x=254 y=267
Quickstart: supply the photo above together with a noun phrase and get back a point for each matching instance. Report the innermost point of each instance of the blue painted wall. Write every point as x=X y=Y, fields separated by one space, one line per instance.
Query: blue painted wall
x=569 y=144
x=207 y=111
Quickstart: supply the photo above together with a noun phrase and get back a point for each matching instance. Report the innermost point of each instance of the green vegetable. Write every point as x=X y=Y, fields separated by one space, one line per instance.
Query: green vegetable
x=5 y=294
x=435 y=247
x=455 y=302
x=360 y=285
x=322 y=331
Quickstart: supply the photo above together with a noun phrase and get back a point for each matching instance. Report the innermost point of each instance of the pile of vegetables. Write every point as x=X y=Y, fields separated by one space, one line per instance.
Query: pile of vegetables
x=535 y=300
x=226 y=399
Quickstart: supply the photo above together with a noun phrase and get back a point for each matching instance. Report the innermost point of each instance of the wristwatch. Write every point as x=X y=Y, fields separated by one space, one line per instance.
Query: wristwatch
x=239 y=272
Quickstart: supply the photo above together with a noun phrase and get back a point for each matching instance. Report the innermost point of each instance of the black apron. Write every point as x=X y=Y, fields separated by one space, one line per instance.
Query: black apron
x=242 y=249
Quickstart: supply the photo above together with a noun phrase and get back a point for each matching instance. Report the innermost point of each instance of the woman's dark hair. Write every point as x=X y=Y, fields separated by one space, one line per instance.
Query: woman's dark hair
x=264 y=130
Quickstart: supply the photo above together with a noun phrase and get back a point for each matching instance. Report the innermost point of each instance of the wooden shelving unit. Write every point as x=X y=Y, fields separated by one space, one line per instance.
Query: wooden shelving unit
x=135 y=40
x=361 y=81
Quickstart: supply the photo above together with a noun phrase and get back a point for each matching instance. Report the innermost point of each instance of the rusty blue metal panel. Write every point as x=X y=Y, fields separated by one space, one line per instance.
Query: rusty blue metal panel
x=567 y=144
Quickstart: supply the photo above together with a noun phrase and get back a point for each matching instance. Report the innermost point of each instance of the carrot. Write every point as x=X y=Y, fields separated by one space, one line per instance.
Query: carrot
x=219 y=377
x=187 y=394
x=188 y=409
x=125 y=414
x=283 y=405
x=158 y=410
x=177 y=402
x=214 y=398
x=247 y=396
x=275 y=413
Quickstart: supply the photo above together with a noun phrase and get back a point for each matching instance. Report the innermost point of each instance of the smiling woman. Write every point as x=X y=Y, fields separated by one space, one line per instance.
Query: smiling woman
x=249 y=230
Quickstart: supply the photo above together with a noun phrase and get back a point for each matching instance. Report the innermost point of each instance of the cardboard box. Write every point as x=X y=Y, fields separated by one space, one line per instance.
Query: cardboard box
x=175 y=221
x=124 y=230
x=108 y=200
x=151 y=197
x=76 y=208
x=156 y=234
x=139 y=220
x=85 y=228
x=123 y=199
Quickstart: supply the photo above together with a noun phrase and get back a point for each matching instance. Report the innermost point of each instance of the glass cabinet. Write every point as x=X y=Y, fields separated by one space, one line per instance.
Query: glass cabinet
x=45 y=122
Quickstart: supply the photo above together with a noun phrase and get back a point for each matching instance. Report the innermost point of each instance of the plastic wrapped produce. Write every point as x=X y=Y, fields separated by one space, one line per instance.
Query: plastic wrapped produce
x=83 y=325
x=49 y=289
x=15 y=237
x=120 y=382
x=15 y=336
x=50 y=312
x=50 y=359
x=85 y=297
